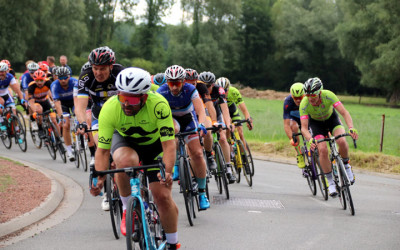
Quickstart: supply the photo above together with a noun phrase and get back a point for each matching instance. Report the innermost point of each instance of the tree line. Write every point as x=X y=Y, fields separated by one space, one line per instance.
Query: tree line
x=352 y=45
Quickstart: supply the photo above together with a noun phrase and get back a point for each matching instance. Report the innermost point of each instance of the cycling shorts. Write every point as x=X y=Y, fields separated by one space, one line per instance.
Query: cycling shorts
x=148 y=154
x=46 y=105
x=8 y=100
x=322 y=128
x=187 y=123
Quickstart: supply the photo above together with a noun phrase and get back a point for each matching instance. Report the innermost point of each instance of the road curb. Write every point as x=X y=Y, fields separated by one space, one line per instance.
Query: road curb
x=48 y=206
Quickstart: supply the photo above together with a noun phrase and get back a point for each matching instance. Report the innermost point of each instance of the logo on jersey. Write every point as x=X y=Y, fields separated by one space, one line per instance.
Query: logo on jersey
x=221 y=91
x=162 y=110
x=104 y=140
x=83 y=81
x=166 y=131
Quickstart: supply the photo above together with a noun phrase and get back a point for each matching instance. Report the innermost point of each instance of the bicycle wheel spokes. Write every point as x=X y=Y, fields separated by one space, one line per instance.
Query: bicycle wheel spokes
x=6 y=137
x=245 y=164
x=134 y=225
x=222 y=165
x=20 y=135
x=114 y=201
x=250 y=159
x=58 y=143
x=322 y=181
x=186 y=186
x=21 y=119
x=50 y=142
x=77 y=161
x=35 y=136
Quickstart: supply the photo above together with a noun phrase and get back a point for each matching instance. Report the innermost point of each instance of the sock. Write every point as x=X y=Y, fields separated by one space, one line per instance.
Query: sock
x=92 y=150
x=330 y=178
x=124 y=202
x=172 y=238
x=201 y=182
x=69 y=149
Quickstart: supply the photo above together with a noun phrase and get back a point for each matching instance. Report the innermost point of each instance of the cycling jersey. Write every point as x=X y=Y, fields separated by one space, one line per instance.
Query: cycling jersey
x=291 y=110
x=234 y=96
x=59 y=93
x=25 y=80
x=152 y=123
x=39 y=94
x=203 y=91
x=98 y=91
x=154 y=87
x=4 y=84
x=218 y=97
x=321 y=112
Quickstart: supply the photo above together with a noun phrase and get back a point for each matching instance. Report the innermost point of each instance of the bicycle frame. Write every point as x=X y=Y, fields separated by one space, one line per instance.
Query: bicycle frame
x=135 y=192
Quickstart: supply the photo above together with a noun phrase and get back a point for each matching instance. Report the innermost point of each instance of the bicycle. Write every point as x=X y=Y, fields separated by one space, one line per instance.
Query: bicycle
x=220 y=173
x=52 y=138
x=14 y=129
x=341 y=178
x=79 y=146
x=188 y=184
x=240 y=157
x=312 y=170
x=148 y=233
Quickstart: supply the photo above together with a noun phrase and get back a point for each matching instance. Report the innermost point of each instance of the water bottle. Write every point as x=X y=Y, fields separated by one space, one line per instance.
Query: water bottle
x=135 y=186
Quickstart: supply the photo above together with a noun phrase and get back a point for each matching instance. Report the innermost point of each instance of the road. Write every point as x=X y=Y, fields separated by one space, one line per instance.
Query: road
x=279 y=212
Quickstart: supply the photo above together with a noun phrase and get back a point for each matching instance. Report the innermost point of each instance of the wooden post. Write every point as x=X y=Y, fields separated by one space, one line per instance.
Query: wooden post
x=383 y=129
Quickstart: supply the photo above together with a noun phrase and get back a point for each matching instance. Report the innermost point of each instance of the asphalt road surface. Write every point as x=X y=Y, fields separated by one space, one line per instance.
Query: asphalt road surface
x=279 y=212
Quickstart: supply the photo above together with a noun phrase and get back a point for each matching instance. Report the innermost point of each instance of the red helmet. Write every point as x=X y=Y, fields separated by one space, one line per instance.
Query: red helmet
x=39 y=75
x=8 y=63
x=43 y=67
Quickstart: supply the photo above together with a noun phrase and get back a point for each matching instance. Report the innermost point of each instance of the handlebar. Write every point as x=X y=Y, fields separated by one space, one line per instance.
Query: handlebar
x=239 y=122
x=217 y=128
x=334 y=138
x=294 y=136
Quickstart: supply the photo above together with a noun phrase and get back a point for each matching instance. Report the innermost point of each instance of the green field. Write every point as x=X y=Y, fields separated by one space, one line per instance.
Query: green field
x=268 y=125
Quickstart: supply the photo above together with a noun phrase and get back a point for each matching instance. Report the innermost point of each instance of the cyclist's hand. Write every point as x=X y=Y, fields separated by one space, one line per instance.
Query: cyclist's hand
x=96 y=190
x=168 y=179
x=203 y=130
x=23 y=102
x=312 y=143
x=250 y=124
x=81 y=128
x=354 y=133
x=232 y=127
x=294 y=144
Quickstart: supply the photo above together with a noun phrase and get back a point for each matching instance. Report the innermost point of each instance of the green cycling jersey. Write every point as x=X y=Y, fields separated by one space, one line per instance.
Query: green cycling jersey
x=321 y=112
x=234 y=96
x=151 y=123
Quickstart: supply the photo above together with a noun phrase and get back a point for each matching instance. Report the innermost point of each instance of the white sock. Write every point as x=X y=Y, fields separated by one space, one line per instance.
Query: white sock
x=172 y=238
x=124 y=201
x=229 y=170
x=330 y=179
x=69 y=149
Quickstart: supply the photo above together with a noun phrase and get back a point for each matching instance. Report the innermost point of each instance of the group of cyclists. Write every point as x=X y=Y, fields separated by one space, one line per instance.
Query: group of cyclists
x=137 y=115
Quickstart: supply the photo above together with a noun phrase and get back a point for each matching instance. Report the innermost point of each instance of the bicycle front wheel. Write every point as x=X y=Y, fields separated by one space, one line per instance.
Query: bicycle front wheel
x=59 y=145
x=222 y=167
x=83 y=155
x=6 y=138
x=322 y=181
x=134 y=225
x=35 y=136
x=115 y=205
x=250 y=159
x=21 y=118
x=20 y=135
x=346 y=188
x=187 y=187
x=246 y=166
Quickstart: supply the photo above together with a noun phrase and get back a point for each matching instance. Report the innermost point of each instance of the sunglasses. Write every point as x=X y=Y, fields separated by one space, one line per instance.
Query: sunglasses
x=294 y=98
x=63 y=77
x=129 y=99
x=311 y=95
x=174 y=83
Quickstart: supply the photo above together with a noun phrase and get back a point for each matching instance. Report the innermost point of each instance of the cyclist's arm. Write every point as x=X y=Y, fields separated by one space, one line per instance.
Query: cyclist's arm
x=169 y=154
x=80 y=108
x=225 y=114
x=102 y=158
x=16 y=89
x=245 y=111
x=286 y=126
x=346 y=115
x=304 y=129
x=211 y=109
x=199 y=108
x=57 y=103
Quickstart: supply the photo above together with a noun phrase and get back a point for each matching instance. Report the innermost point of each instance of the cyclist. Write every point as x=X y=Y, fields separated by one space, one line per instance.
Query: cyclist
x=185 y=103
x=6 y=100
x=39 y=99
x=234 y=99
x=10 y=70
x=62 y=91
x=98 y=84
x=192 y=77
x=137 y=125
x=159 y=79
x=317 y=110
x=51 y=63
x=218 y=98
x=27 y=77
x=291 y=118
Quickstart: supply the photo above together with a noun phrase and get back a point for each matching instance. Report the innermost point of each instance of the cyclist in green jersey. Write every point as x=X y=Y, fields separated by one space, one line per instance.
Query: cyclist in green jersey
x=136 y=125
x=318 y=118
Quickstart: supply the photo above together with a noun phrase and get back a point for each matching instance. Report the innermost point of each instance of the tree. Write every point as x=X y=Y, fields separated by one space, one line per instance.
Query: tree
x=370 y=35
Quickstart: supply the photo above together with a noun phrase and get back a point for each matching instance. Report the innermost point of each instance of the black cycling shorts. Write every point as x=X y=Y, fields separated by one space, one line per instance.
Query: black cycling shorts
x=323 y=127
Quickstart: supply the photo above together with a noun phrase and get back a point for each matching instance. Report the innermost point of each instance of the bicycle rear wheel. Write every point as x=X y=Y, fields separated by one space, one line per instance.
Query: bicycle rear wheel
x=35 y=136
x=222 y=165
x=6 y=137
x=245 y=164
x=134 y=225
x=237 y=163
x=346 y=189
x=20 y=136
x=115 y=205
x=250 y=159
x=339 y=188
x=82 y=153
x=59 y=145
x=187 y=187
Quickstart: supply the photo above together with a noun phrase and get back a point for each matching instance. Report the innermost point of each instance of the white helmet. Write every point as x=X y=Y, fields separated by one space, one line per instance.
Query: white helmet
x=33 y=67
x=3 y=66
x=133 y=80
x=175 y=72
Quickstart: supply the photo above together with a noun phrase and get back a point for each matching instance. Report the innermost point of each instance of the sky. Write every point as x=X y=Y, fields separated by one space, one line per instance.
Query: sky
x=174 y=16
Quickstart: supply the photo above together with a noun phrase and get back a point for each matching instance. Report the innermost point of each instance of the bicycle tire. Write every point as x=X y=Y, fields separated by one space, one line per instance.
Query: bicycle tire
x=221 y=159
x=115 y=205
x=6 y=136
x=20 y=135
x=76 y=154
x=50 y=141
x=21 y=118
x=245 y=164
x=82 y=153
x=237 y=163
x=346 y=189
x=218 y=172
x=339 y=185
x=186 y=186
x=134 y=213
x=323 y=185
x=35 y=136
x=250 y=158
x=58 y=144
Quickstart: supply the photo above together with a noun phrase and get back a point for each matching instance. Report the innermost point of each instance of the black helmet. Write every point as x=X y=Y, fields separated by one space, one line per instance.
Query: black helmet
x=159 y=79
x=63 y=71
x=313 y=86
x=86 y=66
x=102 y=56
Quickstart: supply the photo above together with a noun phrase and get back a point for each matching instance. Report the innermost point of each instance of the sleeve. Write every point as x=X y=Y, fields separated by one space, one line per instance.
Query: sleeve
x=286 y=109
x=195 y=95
x=54 y=91
x=237 y=97
x=31 y=89
x=82 y=89
x=335 y=100
x=303 y=109
x=221 y=95
x=24 y=82
x=106 y=126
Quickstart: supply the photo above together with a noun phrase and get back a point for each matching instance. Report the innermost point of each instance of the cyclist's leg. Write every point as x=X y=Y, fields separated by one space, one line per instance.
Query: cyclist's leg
x=208 y=142
x=344 y=151
x=294 y=125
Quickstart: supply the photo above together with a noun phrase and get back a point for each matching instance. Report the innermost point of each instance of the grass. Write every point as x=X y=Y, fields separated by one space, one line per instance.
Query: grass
x=268 y=136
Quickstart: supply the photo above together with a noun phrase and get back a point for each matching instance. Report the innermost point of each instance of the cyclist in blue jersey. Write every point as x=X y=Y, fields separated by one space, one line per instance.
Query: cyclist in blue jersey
x=291 y=118
x=185 y=103
x=62 y=91
x=27 y=77
x=6 y=100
